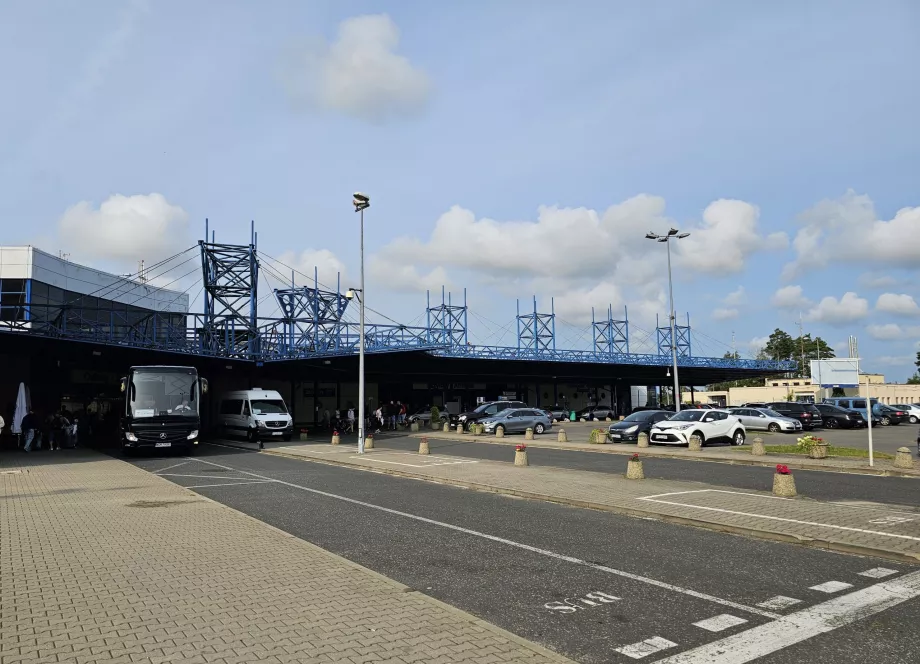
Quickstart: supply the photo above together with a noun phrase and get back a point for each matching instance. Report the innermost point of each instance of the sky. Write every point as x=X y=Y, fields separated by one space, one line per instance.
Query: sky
x=511 y=148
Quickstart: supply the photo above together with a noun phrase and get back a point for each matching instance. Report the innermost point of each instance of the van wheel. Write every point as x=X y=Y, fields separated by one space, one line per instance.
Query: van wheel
x=251 y=435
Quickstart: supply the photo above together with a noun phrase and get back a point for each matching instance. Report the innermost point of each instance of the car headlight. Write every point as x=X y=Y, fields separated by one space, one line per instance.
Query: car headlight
x=130 y=437
x=632 y=429
x=193 y=435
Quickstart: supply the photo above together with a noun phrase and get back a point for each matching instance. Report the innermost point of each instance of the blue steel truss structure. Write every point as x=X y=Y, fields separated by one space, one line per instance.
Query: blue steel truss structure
x=312 y=325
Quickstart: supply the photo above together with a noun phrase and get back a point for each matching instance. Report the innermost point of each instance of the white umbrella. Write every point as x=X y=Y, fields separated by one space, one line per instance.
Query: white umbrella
x=22 y=407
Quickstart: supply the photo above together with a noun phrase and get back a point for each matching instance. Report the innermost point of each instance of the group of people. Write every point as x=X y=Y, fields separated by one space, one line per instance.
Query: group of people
x=389 y=416
x=59 y=429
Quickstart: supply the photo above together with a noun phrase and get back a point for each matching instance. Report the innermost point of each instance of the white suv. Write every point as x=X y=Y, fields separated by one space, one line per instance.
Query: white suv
x=709 y=425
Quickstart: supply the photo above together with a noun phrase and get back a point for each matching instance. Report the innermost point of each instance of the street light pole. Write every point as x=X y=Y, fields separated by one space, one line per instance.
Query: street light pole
x=361 y=203
x=677 y=235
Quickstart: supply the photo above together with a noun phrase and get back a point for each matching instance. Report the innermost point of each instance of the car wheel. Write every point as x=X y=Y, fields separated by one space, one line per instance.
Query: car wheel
x=886 y=421
x=913 y=419
x=831 y=423
x=501 y=428
x=539 y=428
x=738 y=437
x=773 y=428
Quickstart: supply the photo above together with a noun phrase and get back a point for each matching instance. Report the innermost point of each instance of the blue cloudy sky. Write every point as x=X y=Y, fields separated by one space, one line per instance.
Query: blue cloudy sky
x=512 y=147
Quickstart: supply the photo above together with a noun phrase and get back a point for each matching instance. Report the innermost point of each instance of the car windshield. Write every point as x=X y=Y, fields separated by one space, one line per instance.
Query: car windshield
x=641 y=416
x=770 y=413
x=688 y=416
x=267 y=406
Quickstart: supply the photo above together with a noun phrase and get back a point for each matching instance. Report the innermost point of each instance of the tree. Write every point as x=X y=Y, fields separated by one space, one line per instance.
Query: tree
x=917 y=363
x=731 y=355
x=782 y=347
x=838 y=392
x=914 y=380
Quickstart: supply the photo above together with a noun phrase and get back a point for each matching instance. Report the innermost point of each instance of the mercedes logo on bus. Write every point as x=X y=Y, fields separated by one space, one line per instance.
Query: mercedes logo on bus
x=163 y=436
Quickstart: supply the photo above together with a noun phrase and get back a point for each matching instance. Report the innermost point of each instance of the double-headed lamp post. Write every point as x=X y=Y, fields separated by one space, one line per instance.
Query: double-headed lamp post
x=361 y=203
x=672 y=234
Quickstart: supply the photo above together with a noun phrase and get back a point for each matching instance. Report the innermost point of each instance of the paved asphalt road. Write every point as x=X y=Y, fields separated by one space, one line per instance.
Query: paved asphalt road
x=591 y=585
x=902 y=491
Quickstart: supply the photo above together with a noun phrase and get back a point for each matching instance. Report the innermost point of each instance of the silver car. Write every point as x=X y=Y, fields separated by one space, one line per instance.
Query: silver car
x=518 y=420
x=764 y=419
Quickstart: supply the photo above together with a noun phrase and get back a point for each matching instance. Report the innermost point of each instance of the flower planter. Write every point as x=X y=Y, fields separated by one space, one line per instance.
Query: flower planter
x=520 y=458
x=335 y=439
x=783 y=485
x=423 y=447
x=634 y=470
x=818 y=451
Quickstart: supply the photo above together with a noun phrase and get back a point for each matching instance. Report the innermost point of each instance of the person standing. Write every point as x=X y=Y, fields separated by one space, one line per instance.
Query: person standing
x=402 y=413
x=351 y=420
x=30 y=431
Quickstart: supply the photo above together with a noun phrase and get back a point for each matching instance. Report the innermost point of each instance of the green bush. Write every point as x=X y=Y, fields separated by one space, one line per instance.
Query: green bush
x=598 y=436
x=435 y=415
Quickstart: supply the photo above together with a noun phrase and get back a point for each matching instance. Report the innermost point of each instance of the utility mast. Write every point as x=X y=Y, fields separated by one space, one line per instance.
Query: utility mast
x=802 y=341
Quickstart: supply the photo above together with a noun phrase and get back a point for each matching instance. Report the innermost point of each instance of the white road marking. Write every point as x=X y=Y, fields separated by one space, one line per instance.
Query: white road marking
x=779 y=602
x=831 y=587
x=891 y=520
x=205 y=486
x=424 y=464
x=646 y=648
x=720 y=623
x=200 y=477
x=653 y=499
x=796 y=627
x=835 y=503
x=518 y=545
x=878 y=572
x=175 y=465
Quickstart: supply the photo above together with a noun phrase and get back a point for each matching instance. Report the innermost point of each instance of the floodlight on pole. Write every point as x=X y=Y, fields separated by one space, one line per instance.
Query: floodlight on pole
x=674 y=234
x=361 y=203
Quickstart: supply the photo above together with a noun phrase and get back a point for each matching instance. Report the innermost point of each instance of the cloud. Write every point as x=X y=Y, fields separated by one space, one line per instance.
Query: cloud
x=873 y=280
x=359 y=74
x=724 y=314
x=727 y=236
x=894 y=360
x=323 y=263
x=847 y=309
x=847 y=230
x=125 y=228
x=790 y=297
x=736 y=297
x=885 y=332
x=757 y=344
x=405 y=277
x=899 y=305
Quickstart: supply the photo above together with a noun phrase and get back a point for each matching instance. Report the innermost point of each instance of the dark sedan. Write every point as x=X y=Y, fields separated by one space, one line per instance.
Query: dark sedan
x=628 y=429
x=839 y=418
x=889 y=416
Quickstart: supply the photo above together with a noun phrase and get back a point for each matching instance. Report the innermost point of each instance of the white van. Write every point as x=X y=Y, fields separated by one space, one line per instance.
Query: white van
x=257 y=414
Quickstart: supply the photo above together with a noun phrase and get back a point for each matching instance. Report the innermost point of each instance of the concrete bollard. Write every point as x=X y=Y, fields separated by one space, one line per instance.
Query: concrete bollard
x=642 y=440
x=695 y=444
x=634 y=469
x=303 y=434
x=784 y=485
x=903 y=459
x=528 y=435
x=757 y=448
x=608 y=419
x=562 y=438
x=446 y=427
x=413 y=426
x=499 y=432
x=369 y=442
x=423 y=447
x=520 y=457
x=335 y=439
x=460 y=429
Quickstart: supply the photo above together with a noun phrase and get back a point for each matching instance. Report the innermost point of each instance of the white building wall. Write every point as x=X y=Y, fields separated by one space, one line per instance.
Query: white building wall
x=32 y=263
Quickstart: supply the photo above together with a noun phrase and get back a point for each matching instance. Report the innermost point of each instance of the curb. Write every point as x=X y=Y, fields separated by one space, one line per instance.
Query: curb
x=599 y=449
x=771 y=535
x=396 y=585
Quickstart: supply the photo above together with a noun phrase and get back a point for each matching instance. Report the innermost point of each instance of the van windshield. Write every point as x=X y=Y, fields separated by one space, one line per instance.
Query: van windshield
x=267 y=406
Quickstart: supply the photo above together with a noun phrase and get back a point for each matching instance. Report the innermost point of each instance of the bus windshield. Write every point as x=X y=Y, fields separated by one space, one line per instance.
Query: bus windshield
x=163 y=392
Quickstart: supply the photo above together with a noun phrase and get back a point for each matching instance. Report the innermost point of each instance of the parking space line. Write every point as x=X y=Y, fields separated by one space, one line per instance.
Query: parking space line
x=646 y=648
x=779 y=602
x=831 y=587
x=796 y=627
x=720 y=623
x=526 y=547
x=653 y=499
x=175 y=465
x=416 y=465
x=205 y=486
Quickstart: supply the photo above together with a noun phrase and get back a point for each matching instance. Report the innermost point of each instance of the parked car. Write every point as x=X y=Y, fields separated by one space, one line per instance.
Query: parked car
x=856 y=404
x=423 y=416
x=485 y=410
x=592 y=413
x=835 y=417
x=888 y=416
x=559 y=413
x=912 y=410
x=709 y=425
x=628 y=429
x=806 y=413
x=764 y=419
x=755 y=404
x=517 y=420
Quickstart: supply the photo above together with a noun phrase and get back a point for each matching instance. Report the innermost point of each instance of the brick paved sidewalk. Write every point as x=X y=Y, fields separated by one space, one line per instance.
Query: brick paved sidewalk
x=103 y=562
x=718 y=454
x=860 y=529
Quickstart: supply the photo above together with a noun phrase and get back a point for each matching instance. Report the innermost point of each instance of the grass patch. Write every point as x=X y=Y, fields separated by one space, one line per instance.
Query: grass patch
x=832 y=451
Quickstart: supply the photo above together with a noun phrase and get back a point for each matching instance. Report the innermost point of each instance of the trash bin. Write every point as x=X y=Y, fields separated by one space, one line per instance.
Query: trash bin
x=572 y=416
